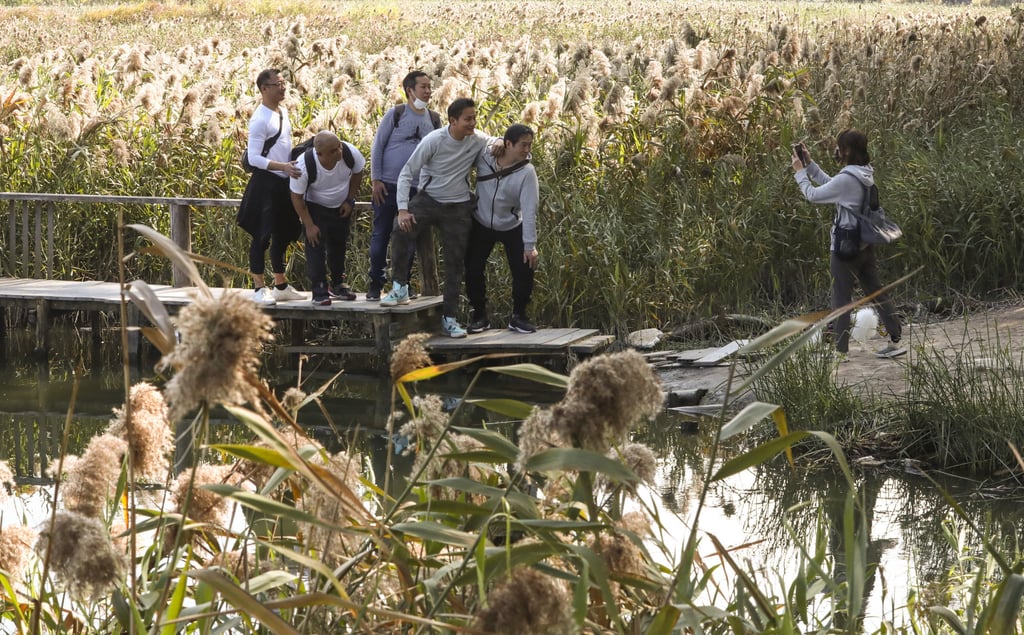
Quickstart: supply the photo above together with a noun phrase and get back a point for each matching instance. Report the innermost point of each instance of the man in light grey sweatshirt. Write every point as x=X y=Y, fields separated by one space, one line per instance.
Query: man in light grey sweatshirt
x=443 y=161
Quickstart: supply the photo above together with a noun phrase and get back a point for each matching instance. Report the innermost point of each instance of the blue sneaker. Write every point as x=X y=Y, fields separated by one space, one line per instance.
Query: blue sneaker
x=399 y=294
x=450 y=327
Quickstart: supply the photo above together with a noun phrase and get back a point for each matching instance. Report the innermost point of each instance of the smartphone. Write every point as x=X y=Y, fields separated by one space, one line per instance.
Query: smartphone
x=798 y=150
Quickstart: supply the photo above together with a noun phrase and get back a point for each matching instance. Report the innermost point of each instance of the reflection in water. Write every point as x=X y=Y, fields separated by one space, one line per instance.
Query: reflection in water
x=903 y=533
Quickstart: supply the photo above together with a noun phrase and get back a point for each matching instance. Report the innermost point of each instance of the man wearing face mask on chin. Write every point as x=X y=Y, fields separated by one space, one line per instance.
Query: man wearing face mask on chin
x=401 y=130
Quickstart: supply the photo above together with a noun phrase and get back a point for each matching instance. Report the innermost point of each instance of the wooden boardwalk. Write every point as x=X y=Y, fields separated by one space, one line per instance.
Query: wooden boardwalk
x=387 y=325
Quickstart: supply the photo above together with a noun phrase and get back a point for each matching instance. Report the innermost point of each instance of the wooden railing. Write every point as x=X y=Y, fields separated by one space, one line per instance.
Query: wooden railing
x=31 y=209
x=26 y=229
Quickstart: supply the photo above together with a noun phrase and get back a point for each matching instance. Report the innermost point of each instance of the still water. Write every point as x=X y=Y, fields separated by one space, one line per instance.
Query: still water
x=914 y=535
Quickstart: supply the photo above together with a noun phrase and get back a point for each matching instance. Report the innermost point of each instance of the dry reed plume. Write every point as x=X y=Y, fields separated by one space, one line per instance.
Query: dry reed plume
x=147 y=431
x=409 y=355
x=82 y=555
x=606 y=398
x=92 y=478
x=218 y=355
x=527 y=602
x=15 y=550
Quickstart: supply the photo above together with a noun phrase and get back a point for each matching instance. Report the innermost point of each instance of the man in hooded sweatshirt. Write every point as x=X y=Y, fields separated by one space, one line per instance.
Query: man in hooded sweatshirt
x=847 y=190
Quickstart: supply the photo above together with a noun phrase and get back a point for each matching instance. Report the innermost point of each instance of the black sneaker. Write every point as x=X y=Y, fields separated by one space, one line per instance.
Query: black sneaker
x=342 y=292
x=520 y=324
x=478 y=325
x=413 y=293
x=321 y=294
x=373 y=293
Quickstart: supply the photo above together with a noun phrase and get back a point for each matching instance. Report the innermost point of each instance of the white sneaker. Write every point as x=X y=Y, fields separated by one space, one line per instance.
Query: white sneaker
x=286 y=294
x=263 y=296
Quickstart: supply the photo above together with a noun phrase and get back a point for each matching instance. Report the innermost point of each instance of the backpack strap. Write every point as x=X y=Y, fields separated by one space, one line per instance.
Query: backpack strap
x=346 y=156
x=503 y=172
x=311 y=169
x=269 y=143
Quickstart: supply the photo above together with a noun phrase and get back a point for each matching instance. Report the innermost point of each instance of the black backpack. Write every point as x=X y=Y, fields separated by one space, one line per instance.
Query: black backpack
x=305 y=149
x=435 y=117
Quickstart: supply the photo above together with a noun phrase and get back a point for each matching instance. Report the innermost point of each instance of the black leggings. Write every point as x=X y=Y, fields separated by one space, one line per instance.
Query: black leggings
x=278 y=245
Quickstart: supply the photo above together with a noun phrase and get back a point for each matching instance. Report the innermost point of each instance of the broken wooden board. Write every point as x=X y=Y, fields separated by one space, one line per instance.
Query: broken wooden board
x=721 y=354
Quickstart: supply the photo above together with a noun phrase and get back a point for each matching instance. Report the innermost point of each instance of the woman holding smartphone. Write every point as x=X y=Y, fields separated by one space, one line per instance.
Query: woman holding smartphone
x=847 y=190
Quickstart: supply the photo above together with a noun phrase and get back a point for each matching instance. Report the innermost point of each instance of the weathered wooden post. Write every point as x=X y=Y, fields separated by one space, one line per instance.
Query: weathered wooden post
x=181 y=234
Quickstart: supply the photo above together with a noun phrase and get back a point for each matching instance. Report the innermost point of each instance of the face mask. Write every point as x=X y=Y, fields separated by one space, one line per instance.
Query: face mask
x=419 y=103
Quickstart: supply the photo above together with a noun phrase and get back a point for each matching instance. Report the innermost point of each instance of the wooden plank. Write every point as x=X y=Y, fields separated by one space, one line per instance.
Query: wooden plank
x=705 y=410
x=716 y=357
x=691 y=355
x=592 y=344
x=497 y=340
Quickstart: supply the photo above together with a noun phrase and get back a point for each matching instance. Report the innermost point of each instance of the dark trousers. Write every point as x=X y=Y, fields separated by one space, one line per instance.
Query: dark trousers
x=864 y=267
x=383 y=224
x=481 y=243
x=331 y=247
x=266 y=212
x=454 y=220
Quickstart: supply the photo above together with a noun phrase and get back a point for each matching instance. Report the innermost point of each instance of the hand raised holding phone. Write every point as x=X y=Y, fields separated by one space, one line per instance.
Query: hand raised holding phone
x=801 y=158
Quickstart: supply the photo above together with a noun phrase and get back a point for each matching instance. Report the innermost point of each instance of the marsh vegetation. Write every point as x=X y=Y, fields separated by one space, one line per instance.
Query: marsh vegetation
x=662 y=149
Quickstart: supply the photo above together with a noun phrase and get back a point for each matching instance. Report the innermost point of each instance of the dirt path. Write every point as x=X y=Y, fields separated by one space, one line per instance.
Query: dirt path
x=977 y=335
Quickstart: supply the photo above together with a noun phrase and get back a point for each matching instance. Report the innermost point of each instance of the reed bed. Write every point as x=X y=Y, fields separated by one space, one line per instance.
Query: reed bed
x=662 y=144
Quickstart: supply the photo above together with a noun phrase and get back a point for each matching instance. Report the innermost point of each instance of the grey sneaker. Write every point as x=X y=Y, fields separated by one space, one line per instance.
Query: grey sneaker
x=286 y=294
x=263 y=296
x=399 y=294
x=450 y=327
x=892 y=349
x=840 y=358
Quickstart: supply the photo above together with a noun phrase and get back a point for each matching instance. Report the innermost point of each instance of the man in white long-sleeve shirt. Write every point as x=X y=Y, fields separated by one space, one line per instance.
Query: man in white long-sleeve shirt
x=266 y=209
x=443 y=161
